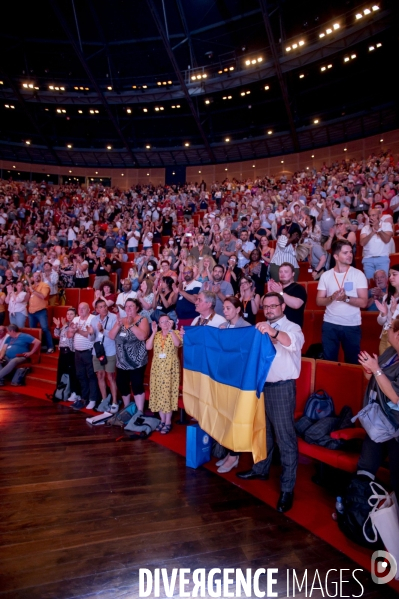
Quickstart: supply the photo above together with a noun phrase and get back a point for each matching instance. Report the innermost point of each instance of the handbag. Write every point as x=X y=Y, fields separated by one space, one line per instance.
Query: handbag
x=198 y=446
x=124 y=416
x=100 y=352
x=376 y=424
x=385 y=520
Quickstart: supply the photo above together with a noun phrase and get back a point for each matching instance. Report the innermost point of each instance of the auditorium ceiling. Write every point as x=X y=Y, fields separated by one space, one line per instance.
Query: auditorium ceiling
x=154 y=83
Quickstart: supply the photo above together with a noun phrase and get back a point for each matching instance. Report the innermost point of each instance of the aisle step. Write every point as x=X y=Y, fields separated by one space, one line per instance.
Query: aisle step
x=45 y=372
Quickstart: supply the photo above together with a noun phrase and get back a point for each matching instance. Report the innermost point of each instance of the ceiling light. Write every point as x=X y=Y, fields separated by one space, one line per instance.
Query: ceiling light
x=253 y=61
x=80 y=111
x=207 y=101
x=247 y=62
x=177 y=105
x=366 y=11
x=345 y=149
x=312 y=156
x=27 y=142
x=187 y=144
x=227 y=139
x=70 y=171
x=375 y=7
x=267 y=87
x=156 y=108
x=148 y=174
x=96 y=172
x=336 y=26
x=301 y=43
x=294 y=46
x=232 y=68
x=316 y=121
x=226 y=169
x=381 y=140
x=122 y=174
x=301 y=76
x=371 y=48
x=322 y=35
x=346 y=59
x=379 y=45
x=359 y=16
x=270 y=132
x=129 y=110
x=282 y=161
x=69 y=146
x=51 y=86
x=109 y=88
x=145 y=109
x=259 y=59
x=59 y=110
x=145 y=86
x=243 y=93
x=199 y=172
x=148 y=146
x=329 y=66
x=288 y=49
x=109 y=147
x=328 y=31
x=253 y=166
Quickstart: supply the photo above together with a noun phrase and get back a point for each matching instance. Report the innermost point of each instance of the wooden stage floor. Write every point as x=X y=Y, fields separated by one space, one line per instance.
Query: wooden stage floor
x=81 y=513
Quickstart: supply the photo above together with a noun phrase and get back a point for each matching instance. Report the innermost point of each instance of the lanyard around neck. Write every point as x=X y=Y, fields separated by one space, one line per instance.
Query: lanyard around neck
x=343 y=280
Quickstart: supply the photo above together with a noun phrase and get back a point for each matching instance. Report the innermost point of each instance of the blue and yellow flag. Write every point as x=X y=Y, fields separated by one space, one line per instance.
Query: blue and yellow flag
x=223 y=378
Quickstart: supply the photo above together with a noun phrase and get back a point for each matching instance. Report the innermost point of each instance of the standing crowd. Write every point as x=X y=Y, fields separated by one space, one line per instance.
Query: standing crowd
x=164 y=258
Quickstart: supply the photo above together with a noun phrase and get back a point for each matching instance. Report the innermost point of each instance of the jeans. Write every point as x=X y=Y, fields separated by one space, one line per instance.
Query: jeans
x=19 y=318
x=40 y=317
x=9 y=367
x=334 y=335
x=370 y=265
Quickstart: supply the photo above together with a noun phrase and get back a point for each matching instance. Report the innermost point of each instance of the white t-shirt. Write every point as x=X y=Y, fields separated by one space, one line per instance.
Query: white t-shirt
x=376 y=247
x=340 y=312
x=80 y=342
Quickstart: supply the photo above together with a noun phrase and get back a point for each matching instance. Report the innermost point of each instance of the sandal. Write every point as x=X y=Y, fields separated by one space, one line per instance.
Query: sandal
x=160 y=426
x=166 y=429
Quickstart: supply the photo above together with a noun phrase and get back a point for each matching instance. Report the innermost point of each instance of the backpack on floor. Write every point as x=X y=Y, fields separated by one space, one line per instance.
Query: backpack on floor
x=122 y=418
x=19 y=376
x=354 y=521
x=142 y=425
x=63 y=390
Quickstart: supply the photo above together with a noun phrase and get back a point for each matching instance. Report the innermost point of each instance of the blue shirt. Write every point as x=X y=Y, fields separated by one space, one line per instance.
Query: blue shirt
x=18 y=345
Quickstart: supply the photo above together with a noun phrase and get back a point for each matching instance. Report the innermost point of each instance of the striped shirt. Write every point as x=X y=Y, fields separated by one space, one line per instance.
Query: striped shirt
x=284 y=253
x=81 y=343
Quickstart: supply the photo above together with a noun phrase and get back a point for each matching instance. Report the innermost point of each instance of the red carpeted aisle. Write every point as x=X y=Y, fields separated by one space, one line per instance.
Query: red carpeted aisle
x=313 y=506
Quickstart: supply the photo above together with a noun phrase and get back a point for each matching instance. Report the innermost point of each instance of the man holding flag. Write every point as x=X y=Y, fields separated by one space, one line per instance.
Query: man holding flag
x=280 y=396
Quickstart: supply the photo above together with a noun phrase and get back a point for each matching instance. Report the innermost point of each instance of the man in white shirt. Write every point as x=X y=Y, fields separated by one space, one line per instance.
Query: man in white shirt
x=343 y=291
x=125 y=294
x=205 y=306
x=80 y=330
x=375 y=238
x=280 y=397
x=244 y=249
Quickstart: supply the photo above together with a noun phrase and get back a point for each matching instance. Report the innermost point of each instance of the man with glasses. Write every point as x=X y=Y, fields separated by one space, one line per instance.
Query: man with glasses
x=280 y=397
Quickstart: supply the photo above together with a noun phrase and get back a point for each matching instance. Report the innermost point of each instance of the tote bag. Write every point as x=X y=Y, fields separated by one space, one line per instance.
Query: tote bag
x=385 y=519
x=198 y=446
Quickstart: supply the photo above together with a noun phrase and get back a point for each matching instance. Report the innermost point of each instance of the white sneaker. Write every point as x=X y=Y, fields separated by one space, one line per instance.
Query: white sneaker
x=91 y=405
x=113 y=408
x=73 y=397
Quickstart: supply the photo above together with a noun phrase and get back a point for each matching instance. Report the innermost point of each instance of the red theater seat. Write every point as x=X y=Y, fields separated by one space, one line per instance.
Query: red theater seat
x=311 y=288
x=72 y=297
x=304 y=385
x=371 y=332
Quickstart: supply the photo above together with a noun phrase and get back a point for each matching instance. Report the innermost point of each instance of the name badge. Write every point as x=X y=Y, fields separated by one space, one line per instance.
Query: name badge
x=162 y=356
x=159 y=307
x=245 y=314
x=180 y=297
x=122 y=335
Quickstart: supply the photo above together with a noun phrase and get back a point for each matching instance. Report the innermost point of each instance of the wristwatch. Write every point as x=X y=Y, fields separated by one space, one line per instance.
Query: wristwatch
x=347 y=300
x=281 y=293
x=378 y=373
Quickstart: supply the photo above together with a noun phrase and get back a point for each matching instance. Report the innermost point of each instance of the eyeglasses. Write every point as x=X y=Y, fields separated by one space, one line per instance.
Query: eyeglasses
x=187 y=272
x=271 y=307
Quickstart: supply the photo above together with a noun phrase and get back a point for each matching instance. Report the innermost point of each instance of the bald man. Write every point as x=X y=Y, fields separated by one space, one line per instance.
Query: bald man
x=79 y=330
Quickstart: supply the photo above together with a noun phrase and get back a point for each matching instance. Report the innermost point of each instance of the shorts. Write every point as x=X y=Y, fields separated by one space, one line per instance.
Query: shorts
x=133 y=378
x=110 y=366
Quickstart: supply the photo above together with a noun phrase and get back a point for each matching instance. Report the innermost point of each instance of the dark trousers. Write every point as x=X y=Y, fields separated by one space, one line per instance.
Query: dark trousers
x=86 y=375
x=280 y=401
x=334 y=335
x=66 y=365
x=373 y=455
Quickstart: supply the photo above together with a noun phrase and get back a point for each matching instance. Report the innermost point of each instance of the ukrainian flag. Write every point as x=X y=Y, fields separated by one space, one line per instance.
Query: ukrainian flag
x=223 y=377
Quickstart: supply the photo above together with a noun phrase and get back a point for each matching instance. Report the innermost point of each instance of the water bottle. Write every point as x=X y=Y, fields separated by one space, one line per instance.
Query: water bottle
x=339 y=506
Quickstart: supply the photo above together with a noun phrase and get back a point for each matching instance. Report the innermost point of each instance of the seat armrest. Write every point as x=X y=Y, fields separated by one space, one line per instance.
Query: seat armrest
x=347 y=434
